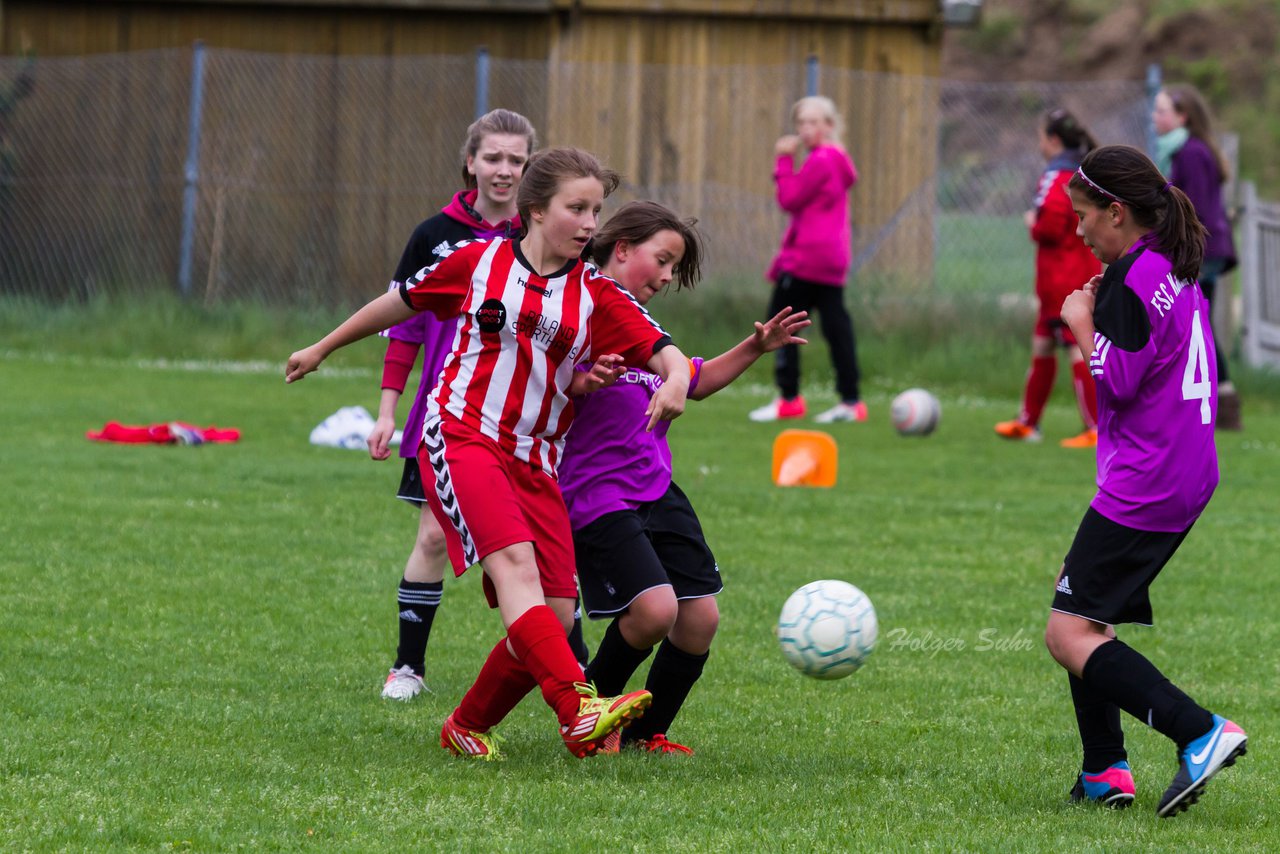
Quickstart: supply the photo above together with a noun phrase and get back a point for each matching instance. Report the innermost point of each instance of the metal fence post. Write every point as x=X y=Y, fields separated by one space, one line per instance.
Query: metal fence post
x=191 y=173
x=1154 y=82
x=482 y=81
x=811 y=75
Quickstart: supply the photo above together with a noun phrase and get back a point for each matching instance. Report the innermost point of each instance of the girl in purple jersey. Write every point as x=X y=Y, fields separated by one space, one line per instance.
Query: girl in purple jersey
x=1144 y=328
x=642 y=559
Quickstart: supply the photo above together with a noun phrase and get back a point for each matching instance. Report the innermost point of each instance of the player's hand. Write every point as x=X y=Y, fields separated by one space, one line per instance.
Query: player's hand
x=604 y=373
x=1029 y=218
x=667 y=403
x=380 y=439
x=780 y=330
x=1091 y=287
x=302 y=363
x=786 y=145
x=1078 y=306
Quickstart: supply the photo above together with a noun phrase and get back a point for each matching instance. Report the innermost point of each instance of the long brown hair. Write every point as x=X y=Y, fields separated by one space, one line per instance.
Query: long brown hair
x=636 y=222
x=1188 y=103
x=1123 y=174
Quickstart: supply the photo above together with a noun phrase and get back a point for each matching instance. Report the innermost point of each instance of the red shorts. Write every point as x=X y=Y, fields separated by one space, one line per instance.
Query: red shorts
x=1049 y=323
x=485 y=499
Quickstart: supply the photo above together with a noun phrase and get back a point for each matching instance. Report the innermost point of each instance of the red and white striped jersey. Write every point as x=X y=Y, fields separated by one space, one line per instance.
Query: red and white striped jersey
x=519 y=337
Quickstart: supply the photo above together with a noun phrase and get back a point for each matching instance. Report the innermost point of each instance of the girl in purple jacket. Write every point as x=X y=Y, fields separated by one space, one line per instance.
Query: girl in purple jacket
x=1188 y=156
x=814 y=173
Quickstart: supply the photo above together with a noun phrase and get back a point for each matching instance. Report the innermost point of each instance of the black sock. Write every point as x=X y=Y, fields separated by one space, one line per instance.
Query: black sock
x=576 y=643
x=1122 y=675
x=670 y=679
x=615 y=661
x=1099 y=722
x=417 y=601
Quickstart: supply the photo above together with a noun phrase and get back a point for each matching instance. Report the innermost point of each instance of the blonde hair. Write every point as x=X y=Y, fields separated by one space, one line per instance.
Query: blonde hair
x=829 y=112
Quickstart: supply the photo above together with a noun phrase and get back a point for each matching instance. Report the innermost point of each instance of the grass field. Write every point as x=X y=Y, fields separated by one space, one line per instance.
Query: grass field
x=195 y=637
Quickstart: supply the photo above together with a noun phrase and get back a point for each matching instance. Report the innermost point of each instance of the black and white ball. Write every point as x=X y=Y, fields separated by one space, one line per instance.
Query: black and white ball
x=915 y=412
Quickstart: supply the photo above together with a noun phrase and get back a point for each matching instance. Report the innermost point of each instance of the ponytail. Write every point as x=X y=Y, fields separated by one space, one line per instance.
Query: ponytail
x=1180 y=235
x=1122 y=173
x=1068 y=129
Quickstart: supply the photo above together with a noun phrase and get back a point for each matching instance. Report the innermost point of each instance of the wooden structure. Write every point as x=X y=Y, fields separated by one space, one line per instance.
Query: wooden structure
x=684 y=97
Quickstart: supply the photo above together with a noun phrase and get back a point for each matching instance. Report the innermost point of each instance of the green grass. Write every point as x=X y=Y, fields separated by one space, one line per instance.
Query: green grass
x=195 y=637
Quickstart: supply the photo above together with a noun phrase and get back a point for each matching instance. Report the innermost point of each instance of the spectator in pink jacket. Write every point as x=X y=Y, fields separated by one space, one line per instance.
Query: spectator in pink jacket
x=813 y=173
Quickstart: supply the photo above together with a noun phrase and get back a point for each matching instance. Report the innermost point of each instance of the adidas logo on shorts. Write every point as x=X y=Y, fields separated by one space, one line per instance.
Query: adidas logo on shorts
x=1064 y=585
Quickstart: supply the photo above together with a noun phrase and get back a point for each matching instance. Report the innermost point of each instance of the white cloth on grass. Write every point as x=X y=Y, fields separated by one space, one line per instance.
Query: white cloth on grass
x=348 y=428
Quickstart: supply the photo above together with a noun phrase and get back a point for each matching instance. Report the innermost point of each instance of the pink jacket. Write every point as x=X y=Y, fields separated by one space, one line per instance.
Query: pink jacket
x=817 y=245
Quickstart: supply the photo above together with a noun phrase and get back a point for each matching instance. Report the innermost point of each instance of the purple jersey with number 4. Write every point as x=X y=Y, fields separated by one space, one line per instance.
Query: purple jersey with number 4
x=1154 y=366
x=610 y=461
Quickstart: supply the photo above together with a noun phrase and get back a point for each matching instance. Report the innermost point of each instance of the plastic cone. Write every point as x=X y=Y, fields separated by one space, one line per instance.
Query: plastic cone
x=804 y=458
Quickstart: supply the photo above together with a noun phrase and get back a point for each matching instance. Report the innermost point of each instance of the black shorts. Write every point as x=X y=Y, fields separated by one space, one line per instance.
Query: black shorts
x=1107 y=573
x=624 y=553
x=411 y=483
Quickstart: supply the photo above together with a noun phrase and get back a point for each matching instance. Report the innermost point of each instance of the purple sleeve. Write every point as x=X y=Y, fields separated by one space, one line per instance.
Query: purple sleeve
x=1195 y=173
x=1119 y=373
x=697 y=373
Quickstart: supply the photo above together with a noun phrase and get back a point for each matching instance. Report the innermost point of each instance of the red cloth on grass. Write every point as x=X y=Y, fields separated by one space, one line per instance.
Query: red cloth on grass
x=169 y=433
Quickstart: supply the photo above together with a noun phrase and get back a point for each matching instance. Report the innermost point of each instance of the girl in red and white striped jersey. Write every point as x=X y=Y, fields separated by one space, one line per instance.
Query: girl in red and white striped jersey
x=494 y=154
x=529 y=312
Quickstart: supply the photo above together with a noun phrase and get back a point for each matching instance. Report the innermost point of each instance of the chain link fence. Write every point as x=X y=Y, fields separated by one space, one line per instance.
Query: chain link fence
x=227 y=175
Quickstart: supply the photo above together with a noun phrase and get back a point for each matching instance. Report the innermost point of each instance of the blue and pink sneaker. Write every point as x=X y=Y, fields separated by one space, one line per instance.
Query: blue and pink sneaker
x=1204 y=757
x=1113 y=788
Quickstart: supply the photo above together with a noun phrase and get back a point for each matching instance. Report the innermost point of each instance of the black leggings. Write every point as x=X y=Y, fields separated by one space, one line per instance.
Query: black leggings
x=837 y=328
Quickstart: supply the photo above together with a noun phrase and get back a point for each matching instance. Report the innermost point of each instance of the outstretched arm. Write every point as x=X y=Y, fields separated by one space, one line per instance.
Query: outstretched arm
x=383 y=312
x=778 y=332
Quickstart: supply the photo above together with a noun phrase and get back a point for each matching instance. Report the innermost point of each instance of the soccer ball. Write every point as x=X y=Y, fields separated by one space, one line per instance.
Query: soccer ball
x=827 y=629
x=915 y=412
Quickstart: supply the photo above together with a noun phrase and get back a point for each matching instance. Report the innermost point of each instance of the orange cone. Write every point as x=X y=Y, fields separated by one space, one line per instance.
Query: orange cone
x=804 y=458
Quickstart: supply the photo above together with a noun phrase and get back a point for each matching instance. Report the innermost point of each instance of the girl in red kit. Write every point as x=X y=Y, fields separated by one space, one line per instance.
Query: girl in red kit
x=529 y=311
x=494 y=154
x=1063 y=265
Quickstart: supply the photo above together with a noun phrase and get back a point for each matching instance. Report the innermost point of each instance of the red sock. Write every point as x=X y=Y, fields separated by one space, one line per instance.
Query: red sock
x=1039 y=387
x=503 y=682
x=1086 y=394
x=540 y=642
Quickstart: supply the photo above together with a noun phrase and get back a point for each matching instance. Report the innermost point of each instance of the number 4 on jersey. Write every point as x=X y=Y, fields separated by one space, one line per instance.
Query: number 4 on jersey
x=1198 y=364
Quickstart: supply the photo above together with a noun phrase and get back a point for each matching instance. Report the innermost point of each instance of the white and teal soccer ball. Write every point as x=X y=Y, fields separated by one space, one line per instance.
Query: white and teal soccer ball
x=827 y=629
x=915 y=412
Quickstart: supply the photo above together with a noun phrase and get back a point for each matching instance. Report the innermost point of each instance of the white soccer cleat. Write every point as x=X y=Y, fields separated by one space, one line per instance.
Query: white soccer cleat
x=402 y=684
x=843 y=412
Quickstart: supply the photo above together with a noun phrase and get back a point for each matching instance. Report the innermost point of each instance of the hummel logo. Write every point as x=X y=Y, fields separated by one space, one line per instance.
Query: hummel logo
x=410 y=617
x=546 y=292
x=1064 y=585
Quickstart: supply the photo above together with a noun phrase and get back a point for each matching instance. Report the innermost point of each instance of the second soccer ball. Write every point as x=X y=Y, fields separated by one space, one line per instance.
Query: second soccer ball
x=915 y=412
